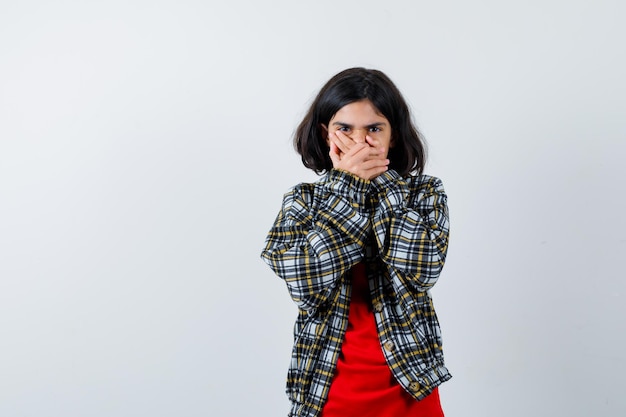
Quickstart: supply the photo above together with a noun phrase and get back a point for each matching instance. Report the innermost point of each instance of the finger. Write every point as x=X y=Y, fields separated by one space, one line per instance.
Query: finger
x=375 y=143
x=370 y=175
x=360 y=152
x=373 y=171
x=335 y=150
x=339 y=143
x=372 y=142
x=334 y=154
x=345 y=139
x=364 y=152
x=374 y=164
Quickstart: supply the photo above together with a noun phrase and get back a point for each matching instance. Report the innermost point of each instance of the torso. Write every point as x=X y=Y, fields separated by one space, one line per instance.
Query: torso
x=363 y=384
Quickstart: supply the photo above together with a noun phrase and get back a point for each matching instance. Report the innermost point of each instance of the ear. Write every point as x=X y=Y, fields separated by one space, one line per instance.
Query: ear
x=392 y=142
x=325 y=133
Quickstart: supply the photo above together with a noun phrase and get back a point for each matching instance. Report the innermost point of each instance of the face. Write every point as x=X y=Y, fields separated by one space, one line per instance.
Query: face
x=359 y=119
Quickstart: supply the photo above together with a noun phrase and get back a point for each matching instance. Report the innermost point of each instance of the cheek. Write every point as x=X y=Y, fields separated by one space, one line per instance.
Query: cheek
x=385 y=139
x=389 y=140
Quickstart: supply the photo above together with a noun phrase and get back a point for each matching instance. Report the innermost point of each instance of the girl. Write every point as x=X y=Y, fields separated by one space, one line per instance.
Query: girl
x=359 y=250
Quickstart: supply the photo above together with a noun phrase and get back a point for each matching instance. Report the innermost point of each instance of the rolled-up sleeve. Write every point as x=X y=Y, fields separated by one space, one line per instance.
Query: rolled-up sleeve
x=318 y=235
x=411 y=227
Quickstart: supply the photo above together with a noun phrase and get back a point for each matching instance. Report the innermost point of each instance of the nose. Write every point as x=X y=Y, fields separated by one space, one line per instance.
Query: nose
x=358 y=135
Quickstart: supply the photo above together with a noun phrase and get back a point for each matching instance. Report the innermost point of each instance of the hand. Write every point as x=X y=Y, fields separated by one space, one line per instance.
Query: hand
x=363 y=159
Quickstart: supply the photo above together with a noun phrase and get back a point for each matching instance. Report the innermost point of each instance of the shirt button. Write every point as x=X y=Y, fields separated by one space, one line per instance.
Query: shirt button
x=389 y=346
x=414 y=386
x=378 y=307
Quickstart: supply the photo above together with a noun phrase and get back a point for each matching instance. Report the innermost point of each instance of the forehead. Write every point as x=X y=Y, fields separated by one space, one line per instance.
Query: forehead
x=362 y=111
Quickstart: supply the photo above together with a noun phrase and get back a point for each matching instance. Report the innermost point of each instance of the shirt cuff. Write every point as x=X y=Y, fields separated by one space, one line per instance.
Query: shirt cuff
x=392 y=192
x=386 y=180
x=347 y=185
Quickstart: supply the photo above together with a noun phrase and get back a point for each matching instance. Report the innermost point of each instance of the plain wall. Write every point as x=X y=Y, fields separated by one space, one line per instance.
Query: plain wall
x=145 y=148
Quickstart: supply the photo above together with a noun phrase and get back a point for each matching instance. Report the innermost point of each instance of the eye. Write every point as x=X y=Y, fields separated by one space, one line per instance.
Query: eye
x=344 y=129
x=375 y=129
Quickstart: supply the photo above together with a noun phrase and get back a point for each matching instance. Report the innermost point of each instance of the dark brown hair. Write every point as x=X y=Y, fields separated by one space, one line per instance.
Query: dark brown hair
x=408 y=155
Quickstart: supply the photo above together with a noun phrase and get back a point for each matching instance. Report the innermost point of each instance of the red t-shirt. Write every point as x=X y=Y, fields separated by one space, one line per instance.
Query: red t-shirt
x=363 y=384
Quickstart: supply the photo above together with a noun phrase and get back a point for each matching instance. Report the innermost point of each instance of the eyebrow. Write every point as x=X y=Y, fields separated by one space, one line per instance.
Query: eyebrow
x=342 y=124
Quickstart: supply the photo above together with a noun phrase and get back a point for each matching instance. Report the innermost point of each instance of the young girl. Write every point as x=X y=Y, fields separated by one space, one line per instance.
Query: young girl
x=359 y=250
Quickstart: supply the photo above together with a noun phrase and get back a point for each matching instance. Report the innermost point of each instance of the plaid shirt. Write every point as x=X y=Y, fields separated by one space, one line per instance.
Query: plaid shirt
x=399 y=228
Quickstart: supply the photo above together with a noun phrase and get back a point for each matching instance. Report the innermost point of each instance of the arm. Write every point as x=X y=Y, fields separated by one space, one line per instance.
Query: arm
x=318 y=235
x=411 y=227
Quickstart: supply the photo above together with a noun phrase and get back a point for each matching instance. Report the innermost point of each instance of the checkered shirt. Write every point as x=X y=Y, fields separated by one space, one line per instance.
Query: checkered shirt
x=397 y=226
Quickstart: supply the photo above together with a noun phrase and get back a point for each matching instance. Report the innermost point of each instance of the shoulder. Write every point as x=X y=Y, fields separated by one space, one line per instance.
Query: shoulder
x=309 y=188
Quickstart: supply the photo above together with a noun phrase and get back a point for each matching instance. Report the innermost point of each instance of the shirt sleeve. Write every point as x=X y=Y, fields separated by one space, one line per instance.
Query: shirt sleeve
x=411 y=228
x=318 y=235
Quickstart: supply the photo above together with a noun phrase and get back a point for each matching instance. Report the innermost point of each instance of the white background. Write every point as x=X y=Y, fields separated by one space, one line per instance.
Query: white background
x=145 y=148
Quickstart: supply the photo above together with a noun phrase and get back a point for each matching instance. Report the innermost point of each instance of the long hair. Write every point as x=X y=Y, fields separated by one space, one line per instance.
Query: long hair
x=408 y=155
